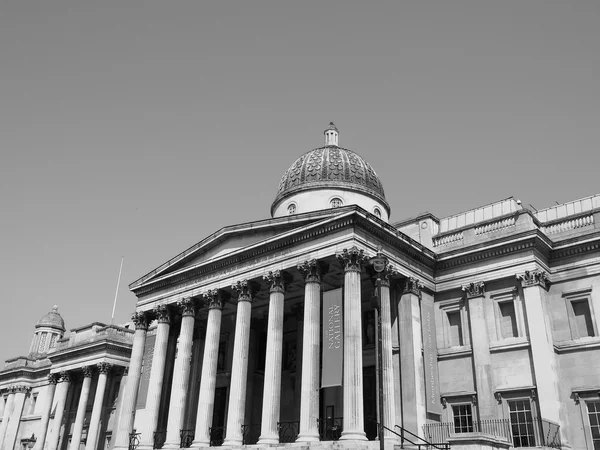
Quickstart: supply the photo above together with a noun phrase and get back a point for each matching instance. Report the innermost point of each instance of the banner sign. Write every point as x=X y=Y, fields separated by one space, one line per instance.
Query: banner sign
x=333 y=338
x=146 y=368
x=432 y=385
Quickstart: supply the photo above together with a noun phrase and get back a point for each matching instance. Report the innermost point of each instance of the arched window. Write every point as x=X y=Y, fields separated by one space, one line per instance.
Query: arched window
x=336 y=202
x=377 y=212
x=292 y=208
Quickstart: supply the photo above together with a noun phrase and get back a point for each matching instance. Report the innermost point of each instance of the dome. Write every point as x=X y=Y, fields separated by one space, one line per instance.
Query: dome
x=52 y=319
x=330 y=167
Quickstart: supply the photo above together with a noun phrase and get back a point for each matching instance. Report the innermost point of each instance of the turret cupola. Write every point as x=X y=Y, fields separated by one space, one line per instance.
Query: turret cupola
x=49 y=329
x=331 y=135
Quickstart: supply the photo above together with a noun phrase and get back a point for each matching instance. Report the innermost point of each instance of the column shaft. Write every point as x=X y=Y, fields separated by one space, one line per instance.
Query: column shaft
x=94 y=429
x=239 y=370
x=389 y=407
x=81 y=408
x=272 y=382
x=206 y=397
x=45 y=419
x=125 y=420
x=6 y=416
x=309 y=391
x=181 y=376
x=157 y=373
x=61 y=399
x=12 y=429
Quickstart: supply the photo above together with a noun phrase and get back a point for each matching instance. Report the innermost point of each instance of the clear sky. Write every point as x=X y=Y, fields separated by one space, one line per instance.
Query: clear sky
x=137 y=128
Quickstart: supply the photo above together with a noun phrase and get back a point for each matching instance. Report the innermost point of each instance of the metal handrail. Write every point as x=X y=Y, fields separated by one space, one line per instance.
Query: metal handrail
x=134 y=440
x=427 y=444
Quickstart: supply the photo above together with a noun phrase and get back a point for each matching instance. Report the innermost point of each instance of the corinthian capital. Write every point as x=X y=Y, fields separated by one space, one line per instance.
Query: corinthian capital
x=312 y=270
x=213 y=299
x=473 y=290
x=22 y=389
x=140 y=319
x=277 y=280
x=104 y=368
x=412 y=286
x=87 y=371
x=162 y=313
x=352 y=259
x=65 y=377
x=244 y=290
x=534 y=278
x=53 y=378
x=187 y=306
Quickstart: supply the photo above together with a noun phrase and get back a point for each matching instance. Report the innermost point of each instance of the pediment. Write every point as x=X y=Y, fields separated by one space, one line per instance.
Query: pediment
x=234 y=238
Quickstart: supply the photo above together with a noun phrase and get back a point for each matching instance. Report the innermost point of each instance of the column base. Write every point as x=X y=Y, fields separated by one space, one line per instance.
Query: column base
x=145 y=446
x=199 y=444
x=308 y=437
x=233 y=442
x=268 y=440
x=353 y=436
x=171 y=445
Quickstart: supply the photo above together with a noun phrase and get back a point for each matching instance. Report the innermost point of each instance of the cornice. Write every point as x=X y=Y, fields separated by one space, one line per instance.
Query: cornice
x=90 y=349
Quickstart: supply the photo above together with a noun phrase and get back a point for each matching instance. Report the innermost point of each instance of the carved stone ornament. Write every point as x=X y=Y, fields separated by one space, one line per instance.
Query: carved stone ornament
x=244 y=290
x=498 y=396
x=87 y=371
x=65 y=377
x=163 y=315
x=352 y=259
x=473 y=290
x=188 y=308
x=412 y=286
x=312 y=270
x=104 y=368
x=277 y=280
x=213 y=299
x=384 y=278
x=53 y=378
x=22 y=389
x=534 y=278
x=140 y=319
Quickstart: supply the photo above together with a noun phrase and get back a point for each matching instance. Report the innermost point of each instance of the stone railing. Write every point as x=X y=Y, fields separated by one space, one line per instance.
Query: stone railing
x=494 y=226
x=569 y=224
x=448 y=239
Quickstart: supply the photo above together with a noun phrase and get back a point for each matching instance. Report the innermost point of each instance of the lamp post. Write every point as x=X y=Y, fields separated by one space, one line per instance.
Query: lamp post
x=379 y=263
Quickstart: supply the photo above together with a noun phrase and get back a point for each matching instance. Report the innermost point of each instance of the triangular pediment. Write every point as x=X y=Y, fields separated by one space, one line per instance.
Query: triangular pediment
x=235 y=238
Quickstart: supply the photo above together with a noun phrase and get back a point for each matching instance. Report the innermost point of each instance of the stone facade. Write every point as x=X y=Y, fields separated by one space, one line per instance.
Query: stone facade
x=490 y=332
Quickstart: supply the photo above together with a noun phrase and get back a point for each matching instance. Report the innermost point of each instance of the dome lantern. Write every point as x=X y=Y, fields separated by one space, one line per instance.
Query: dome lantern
x=331 y=135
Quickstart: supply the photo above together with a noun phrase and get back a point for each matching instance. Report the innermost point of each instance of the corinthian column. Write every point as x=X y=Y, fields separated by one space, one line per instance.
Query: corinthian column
x=352 y=261
x=61 y=399
x=206 y=397
x=239 y=370
x=387 y=368
x=81 y=407
x=92 y=436
x=272 y=383
x=7 y=411
x=52 y=380
x=309 y=390
x=181 y=374
x=125 y=421
x=157 y=373
x=12 y=428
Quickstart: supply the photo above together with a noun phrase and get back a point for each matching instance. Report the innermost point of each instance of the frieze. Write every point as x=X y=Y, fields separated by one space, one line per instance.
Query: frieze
x=534 y=278
x=475 y=289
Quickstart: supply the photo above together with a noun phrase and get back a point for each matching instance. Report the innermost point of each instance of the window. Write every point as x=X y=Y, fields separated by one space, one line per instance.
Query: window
x=33 y=403
x=336 y=202
x=377 y=212
x=580 y=313
x=521 y=422
x=42 y=346
x=594 y=418
x=508 y=312
x=292 y=208
x=463 y=418
x=222 y=356
x=455 y=337
x=53 y=341
x=508 y=320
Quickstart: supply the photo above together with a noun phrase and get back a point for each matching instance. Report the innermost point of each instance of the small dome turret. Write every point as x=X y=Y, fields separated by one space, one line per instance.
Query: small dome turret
x=52 y=320
x=48 y=330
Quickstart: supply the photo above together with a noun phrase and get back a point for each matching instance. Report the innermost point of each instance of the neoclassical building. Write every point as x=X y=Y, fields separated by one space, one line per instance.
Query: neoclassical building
x=267 y=333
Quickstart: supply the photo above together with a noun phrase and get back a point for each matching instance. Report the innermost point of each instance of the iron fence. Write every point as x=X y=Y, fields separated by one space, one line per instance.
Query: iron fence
x=217 y=436
x=330 y=429
x=250 y=434
x=134 y=440
x=187 y=438
x=159 y=439
x=288 y=431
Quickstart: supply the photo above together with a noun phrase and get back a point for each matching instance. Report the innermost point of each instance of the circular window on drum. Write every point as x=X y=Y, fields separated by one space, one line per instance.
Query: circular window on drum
x=336 y=202
x=377 y=212
x=292 y=208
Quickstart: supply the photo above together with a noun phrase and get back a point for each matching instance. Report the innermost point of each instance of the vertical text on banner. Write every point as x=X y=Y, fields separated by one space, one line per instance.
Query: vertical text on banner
x=333 y=338
x=432 y=388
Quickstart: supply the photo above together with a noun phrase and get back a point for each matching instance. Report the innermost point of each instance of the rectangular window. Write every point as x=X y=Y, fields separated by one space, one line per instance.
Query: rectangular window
x=222 y=356
x=521 y=422
x=455 y=335
x=32 y=404
x=583 y=318
x=508 y=319
x=463 y=418
x=594 y=417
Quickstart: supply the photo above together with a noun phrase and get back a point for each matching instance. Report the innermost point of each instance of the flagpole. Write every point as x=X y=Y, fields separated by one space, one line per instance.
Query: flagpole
x=112 y=318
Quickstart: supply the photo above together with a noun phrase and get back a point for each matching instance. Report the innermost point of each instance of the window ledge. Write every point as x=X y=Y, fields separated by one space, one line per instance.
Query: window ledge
x=31 y=417
x=453 y=352
x=577 y=344
x=509 y=344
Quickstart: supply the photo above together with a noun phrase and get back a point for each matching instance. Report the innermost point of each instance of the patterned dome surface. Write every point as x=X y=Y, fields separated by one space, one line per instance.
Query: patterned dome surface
x=52 y=319
x=331 y=166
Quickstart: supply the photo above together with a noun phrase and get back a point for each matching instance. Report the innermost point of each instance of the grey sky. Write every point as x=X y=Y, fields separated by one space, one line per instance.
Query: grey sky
x=137 y=128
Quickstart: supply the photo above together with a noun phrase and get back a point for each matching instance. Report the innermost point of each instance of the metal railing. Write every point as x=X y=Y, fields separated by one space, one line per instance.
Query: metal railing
x=288 y=431
x=159 y=439
x=330 y=429
x=545 y=432
x=187 y=438
x=415 y=440
x=217 y=436
x=134 y=440
x=250 y=434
